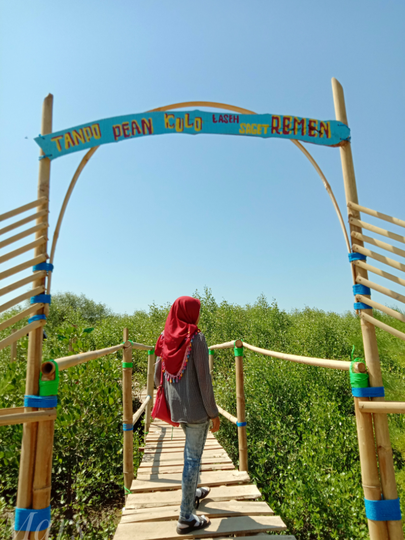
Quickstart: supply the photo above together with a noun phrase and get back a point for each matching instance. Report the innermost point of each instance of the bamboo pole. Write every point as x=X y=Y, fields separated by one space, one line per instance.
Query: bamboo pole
x=149 y=388
x=22 y=266
x=385 y=309
x=20 y=283
x=11 y=410
x=383 y=326
x=28 y=329
x=383 y=407
x=27 y=417
x=379 y=243
x=227 y=345
x=141 y=346
x=28 y=446
x=377 y=230
x=42 y=482
x=241 y=412
x=379 y=272
x=374 y=213
x=31 y=309
x=227 y=415
x=21 y=235
x=12 y=254
x=21 y=298
x=368 y=458
x=128 y=461
x=138 y=413
x=22 y=222
x=69 y=361
x=386 y=260
x=319 y=362
x=13 y=349
x=381 y=289
x=24 y=208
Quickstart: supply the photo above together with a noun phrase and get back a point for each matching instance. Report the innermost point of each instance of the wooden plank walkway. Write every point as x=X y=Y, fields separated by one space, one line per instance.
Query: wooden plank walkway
x=151 y=511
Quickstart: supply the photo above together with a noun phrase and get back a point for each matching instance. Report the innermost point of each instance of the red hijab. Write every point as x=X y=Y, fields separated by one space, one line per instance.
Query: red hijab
x=174 y=344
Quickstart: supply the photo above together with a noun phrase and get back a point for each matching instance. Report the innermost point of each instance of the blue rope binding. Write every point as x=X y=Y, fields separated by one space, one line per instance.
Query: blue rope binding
x=241 y=424
x=383 y=510
x=370 y=391
x=361 y=289
x=41 y=402
x=356 y=257
x=27 y=519
x=41 y=299
x=36 y=318
x=43 y=266
x=361 y=305
x=127 y=427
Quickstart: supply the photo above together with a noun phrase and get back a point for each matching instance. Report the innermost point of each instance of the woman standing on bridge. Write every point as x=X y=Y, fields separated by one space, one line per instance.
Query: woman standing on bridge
x=183 y=355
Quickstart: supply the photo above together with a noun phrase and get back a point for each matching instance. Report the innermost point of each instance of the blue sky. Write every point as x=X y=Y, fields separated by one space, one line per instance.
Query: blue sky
x=159 y=217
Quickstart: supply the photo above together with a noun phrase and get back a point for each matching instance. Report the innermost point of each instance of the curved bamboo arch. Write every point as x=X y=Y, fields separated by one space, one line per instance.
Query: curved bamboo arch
x=181 y=105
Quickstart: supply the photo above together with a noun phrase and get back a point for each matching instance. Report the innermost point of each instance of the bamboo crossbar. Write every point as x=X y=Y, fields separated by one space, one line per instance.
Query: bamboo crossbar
x=70 y=361
x=26 y=418
x=227 y=415
x=382 y=407
x=383 y=326
x=24 y=208
x=23 y=249
x=22 y=222
x=23 y=266
x=380 y=272
x=319 y=362
x=376 y=305
x=12 y=320
x=12 y=410
x=21 y=298
x=381 y=289
x=376 y=214
x=22 y=234
x=21 y=282
x=377 y=230
x=141 y=409
x=6 y=342
x=227 y=345
x=378 y=243
x=386 y=260
x=142 y=347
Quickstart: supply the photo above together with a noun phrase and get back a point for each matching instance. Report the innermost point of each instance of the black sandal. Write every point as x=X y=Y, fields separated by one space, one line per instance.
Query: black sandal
x=200 y=523
x=204 y=493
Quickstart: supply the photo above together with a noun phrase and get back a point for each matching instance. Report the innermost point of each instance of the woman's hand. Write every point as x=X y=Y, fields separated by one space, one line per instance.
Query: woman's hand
x=215 y=424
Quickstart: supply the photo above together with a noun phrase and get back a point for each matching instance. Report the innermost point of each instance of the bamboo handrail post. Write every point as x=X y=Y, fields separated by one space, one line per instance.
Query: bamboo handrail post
x=384 y=450
x=150 y=388
x=211 y=354
x=240 y=408
x=42 y=483
x=29 y=440
x=128 y=461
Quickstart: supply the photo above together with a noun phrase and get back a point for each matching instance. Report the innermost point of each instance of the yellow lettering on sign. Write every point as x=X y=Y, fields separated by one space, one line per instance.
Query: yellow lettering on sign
x=324 y=129
x=198 y=124
x=242 y=128
x=88 y=133
x=169 y=117
x=78 y=136
x=68 y=140
x=57 y=140
x=188 y=125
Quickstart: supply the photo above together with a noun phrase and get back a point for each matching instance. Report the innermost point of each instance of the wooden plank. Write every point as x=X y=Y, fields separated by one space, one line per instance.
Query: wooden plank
x=374 y=213
x=376 y=256
x=12 y=320
x=147 y=471
x=21 y=298
x=22 y=266
x=27 y=417
x=24 y=208
x=173 y=481
x=383 y=326
x=378 y=230
x=12 y=410
x=218 y=527
x=21 y=333
x=23 y=249
x=165 y=498
x=22 y=234
x=208 y=508
x=21 y=282
x=17 y=224
x=149 y=459
x=178 y=449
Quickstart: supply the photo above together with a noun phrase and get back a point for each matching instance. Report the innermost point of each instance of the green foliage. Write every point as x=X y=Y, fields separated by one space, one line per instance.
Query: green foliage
x=301 y=429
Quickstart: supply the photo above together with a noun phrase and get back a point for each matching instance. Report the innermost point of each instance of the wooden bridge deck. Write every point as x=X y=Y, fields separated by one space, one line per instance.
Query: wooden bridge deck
x=152 y=509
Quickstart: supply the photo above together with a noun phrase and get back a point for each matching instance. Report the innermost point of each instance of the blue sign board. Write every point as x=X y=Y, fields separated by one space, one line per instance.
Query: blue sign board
x=132 y=126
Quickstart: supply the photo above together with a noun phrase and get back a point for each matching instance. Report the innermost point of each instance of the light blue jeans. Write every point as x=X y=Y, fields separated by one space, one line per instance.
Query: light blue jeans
x=196 y=435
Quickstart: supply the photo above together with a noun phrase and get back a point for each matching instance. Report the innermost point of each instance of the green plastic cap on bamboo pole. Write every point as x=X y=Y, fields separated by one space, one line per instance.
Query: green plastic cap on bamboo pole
x=211 y=352
x=238 y=350
x=49 y=388
x=151 y=352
